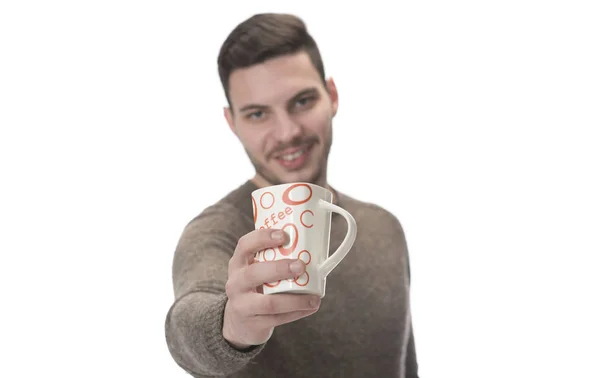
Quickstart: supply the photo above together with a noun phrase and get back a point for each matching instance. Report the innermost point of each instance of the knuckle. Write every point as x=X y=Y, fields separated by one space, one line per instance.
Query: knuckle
x=241 y=244
x=248 y=272
x=252 y=274
x=232 y=285
x=228 y=288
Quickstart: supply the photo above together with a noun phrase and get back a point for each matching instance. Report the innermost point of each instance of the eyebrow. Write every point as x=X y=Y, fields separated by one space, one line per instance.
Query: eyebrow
x=308 y=91
x=304 y=92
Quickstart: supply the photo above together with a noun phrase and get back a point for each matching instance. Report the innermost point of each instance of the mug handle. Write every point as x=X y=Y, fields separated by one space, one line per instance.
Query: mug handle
x=330 y=263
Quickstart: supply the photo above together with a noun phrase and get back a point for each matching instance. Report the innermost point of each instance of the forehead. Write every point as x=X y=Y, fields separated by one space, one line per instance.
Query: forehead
x=273 y=81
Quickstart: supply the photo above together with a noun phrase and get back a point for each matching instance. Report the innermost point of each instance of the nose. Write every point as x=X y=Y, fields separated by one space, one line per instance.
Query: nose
x=287 y=128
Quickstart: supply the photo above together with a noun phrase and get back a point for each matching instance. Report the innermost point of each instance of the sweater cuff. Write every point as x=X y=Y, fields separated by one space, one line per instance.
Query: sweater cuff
x=221 y=347
x=194 y=333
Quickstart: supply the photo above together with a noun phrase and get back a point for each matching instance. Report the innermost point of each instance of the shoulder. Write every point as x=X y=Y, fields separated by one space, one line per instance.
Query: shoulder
x=233 y=211
x=378 y=226
x=219 y=214
x=368 y=210
x=373 y=218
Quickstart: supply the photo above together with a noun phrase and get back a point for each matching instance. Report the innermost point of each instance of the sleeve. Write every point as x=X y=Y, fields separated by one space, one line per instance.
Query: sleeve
x=194 y=322
x=412 y=366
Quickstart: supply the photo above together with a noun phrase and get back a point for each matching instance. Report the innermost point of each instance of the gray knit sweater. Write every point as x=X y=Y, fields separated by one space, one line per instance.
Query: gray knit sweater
x=362 y=329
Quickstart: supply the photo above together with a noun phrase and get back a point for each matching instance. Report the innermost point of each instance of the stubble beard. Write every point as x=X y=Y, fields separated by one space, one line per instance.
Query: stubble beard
x=315 y=178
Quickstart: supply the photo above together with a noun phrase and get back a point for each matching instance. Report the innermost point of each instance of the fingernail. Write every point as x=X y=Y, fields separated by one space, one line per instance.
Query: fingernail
x=277 y=235
x=297 y=267
x=315 y=302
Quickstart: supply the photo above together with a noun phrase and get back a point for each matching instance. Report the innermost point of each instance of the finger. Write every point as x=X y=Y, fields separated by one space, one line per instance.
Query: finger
x=253 y=242
x=271 y=271
x=279 y=319
x=281 y=303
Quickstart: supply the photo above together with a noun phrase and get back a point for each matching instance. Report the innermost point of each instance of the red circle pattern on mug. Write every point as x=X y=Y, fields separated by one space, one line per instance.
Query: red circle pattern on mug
x=268 y=257
x=305 y=256
x=270 y=254
x=286 y=195
x=294 y=241
x=262 y=199
x=254 y=209
x=302 y=218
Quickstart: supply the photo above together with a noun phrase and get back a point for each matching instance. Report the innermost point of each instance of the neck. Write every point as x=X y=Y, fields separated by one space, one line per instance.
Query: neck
x=261 y=182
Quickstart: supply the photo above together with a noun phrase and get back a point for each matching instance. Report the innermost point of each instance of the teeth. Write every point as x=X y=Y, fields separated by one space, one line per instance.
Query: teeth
x=293 y=156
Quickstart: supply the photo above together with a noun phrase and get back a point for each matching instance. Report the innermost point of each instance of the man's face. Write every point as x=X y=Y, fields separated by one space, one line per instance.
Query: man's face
x=282 y=113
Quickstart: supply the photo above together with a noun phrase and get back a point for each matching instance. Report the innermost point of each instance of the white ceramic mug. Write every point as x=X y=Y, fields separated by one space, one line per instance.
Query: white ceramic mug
x=303 y=211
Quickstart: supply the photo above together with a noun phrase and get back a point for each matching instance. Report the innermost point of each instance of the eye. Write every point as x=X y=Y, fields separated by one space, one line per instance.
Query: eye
x=255 y=115
x=304 y=101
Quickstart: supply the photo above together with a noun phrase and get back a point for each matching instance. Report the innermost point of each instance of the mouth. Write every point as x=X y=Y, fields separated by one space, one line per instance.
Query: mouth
x=294 y=158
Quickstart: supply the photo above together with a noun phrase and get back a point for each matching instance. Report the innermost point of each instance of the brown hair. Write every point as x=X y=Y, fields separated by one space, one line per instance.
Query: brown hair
x=262 y=37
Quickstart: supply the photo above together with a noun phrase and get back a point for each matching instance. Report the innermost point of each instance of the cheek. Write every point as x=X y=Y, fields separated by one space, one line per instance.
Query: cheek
x=317 y=122
x=257 y=142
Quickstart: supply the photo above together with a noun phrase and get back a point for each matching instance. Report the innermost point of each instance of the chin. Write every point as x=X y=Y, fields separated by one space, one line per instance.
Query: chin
x=274 y=173
x=310 y=176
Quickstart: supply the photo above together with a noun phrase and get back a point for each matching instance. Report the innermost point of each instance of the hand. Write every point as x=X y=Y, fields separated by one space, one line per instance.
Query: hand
x=250 y=316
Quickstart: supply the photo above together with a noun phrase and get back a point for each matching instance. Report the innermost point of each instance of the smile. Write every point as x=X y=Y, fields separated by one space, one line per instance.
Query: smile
x=295 y=155
x=295 y=159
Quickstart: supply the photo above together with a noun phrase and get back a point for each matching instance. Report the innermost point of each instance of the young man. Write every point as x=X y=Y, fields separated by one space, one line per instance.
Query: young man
x=281 y=108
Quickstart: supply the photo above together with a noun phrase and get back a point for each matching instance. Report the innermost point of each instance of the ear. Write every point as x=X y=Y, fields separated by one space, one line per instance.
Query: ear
x=333 y=95
x=229 y=117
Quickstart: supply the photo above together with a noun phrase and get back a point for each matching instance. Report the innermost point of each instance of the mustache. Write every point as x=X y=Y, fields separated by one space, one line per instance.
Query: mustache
x=297 y=142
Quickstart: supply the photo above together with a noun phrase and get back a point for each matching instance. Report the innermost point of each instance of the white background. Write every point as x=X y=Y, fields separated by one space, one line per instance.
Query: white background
x=476 y=123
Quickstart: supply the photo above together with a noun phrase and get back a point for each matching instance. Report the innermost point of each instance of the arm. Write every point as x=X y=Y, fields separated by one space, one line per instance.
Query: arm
x=194 y=323
x=217 y=304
